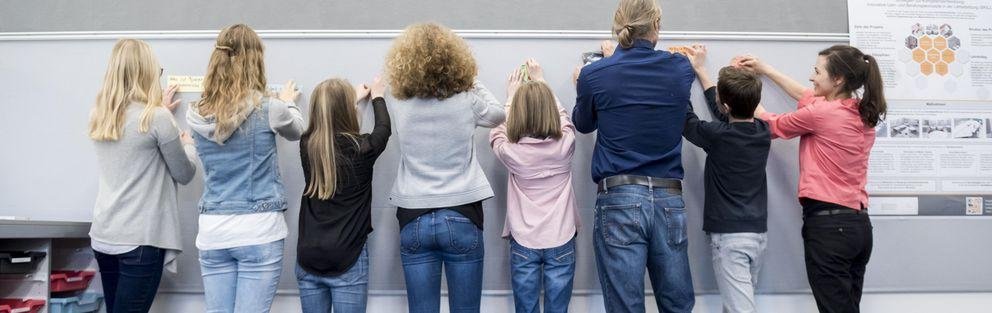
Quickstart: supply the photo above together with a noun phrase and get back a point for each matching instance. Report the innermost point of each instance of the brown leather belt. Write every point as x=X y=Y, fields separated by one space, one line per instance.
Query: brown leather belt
x=648 y=181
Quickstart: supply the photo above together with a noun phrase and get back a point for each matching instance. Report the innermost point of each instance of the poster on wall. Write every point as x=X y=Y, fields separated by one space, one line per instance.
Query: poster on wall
x=933 y=152
x=927 y=49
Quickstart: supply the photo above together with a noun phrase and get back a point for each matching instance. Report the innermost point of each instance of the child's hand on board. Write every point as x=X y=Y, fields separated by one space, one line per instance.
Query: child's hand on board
x=361 y=92
x=534 y=70
x=512 y=83
x=167 y=97
x=288 y=92
x=378 y=87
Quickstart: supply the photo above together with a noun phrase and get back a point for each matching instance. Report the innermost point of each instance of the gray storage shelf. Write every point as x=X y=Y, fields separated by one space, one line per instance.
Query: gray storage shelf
x=66 y=245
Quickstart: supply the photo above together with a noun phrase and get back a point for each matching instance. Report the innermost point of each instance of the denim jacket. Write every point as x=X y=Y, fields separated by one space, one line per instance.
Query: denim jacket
x=241 y=172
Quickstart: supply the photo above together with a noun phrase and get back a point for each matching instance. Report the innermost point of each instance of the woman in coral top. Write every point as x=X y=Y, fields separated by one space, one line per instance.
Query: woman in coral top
x=835 y=121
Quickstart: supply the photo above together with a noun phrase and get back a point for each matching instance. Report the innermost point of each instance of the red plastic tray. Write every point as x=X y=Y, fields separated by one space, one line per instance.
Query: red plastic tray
x=71 y=280
x=21 y=305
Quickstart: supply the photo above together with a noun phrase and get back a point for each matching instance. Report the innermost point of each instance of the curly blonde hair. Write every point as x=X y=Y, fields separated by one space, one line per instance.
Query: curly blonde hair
x=429 y=61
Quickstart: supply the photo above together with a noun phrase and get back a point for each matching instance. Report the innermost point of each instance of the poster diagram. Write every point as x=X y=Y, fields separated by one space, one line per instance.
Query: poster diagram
x=927 y=49
x=933 y=152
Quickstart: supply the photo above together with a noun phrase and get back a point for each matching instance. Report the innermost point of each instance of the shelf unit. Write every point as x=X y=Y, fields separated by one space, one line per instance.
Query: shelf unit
x=67 y=247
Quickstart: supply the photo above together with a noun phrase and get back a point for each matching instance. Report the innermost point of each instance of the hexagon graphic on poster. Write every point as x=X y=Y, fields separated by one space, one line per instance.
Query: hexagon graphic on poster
x=932 y=50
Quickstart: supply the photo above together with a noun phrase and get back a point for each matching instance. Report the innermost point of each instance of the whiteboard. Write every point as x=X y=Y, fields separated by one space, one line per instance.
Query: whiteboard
x=49 y=172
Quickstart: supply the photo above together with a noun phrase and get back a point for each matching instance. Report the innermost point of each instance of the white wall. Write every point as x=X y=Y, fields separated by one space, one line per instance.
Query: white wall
x=793 y=303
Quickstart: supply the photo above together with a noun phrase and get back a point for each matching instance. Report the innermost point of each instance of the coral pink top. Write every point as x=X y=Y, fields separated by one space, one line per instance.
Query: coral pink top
x=540 y=203
x=833 y=148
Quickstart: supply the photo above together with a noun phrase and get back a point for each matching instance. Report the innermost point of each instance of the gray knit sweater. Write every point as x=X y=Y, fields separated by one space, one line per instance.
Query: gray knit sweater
x=136 y=202
x=438 y=164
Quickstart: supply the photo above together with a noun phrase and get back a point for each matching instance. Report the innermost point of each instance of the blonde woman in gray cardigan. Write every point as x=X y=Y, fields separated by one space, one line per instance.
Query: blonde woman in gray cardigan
x=141 y=157
x=437 y=105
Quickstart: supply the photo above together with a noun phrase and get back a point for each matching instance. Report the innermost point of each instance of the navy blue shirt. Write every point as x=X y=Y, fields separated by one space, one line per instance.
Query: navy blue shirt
x=736 y=155
x=637 y=100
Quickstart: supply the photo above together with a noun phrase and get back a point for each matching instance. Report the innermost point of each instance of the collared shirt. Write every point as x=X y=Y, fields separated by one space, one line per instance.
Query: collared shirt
x=540 y=202
x=833 y=148
x=637 y=100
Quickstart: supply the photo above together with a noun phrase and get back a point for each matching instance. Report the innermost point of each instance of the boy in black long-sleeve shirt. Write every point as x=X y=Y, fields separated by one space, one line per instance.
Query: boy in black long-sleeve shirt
x=735 y=209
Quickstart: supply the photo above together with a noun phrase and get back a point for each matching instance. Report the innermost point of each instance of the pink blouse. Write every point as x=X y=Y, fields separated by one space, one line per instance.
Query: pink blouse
x=833 y=148
x=540 y=203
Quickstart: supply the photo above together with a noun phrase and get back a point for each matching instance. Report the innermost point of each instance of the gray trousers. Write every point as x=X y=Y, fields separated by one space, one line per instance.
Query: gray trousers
x=737 y=259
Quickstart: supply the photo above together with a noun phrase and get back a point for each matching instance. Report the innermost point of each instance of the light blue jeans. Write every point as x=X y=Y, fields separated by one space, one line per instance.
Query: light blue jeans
x=737 y=259
x=241 y=279
x=346 y=293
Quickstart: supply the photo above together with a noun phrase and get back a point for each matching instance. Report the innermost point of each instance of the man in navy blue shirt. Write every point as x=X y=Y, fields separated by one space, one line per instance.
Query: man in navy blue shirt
x=637 y=99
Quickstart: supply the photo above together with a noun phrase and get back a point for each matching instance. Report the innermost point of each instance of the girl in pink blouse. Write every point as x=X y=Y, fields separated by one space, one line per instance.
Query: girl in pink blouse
x=536 y=144
x=835 y=121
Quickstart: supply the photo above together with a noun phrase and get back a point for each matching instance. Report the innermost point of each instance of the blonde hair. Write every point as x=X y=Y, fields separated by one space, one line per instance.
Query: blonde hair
x=429 y=61
x=635 y=19
x=235 y=80
x=533 y=113
x=132 y=75
x=332 y=111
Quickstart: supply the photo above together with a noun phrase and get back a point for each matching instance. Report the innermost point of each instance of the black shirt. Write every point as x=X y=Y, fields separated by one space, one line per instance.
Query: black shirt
x=472 y=211
x=333 y=231
x=736 y=188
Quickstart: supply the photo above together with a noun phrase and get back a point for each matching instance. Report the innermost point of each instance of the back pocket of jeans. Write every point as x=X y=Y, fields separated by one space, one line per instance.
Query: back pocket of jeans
x=620 y=224
x=675 y=220
x=463 y=235
x=410 y=237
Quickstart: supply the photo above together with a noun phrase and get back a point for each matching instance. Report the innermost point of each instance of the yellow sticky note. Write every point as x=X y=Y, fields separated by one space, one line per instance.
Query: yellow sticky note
x=678 y=49
x=187 y=83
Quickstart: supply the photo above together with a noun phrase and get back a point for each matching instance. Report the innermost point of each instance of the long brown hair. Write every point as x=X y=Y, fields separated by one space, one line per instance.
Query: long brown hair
x=132 y=75
x=235 y=80
x=635 y=19
x=858 y=70
x=533 y=113
x=332 y=111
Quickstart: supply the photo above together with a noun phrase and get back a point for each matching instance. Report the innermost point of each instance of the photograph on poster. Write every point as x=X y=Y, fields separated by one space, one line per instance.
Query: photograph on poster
x=904 y=127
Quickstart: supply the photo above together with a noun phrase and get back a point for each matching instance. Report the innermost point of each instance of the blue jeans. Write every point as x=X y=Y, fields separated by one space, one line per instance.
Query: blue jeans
x=638 y=227
x=346 y=293
x=442 y=237
x=241 y=279
x=130 y=280
x=558 y=271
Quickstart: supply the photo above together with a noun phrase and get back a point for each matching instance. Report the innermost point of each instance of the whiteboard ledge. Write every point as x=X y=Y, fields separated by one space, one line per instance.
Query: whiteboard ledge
x=376 y=34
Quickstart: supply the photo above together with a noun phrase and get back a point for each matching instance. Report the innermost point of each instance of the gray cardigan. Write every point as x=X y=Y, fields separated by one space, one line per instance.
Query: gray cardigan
x=136 y=201
x=438 y=166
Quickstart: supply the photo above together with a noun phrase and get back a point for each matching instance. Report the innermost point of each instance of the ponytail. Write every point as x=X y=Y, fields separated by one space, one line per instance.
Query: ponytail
x=872 y=106
x=859 y=71
x=635 y=19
